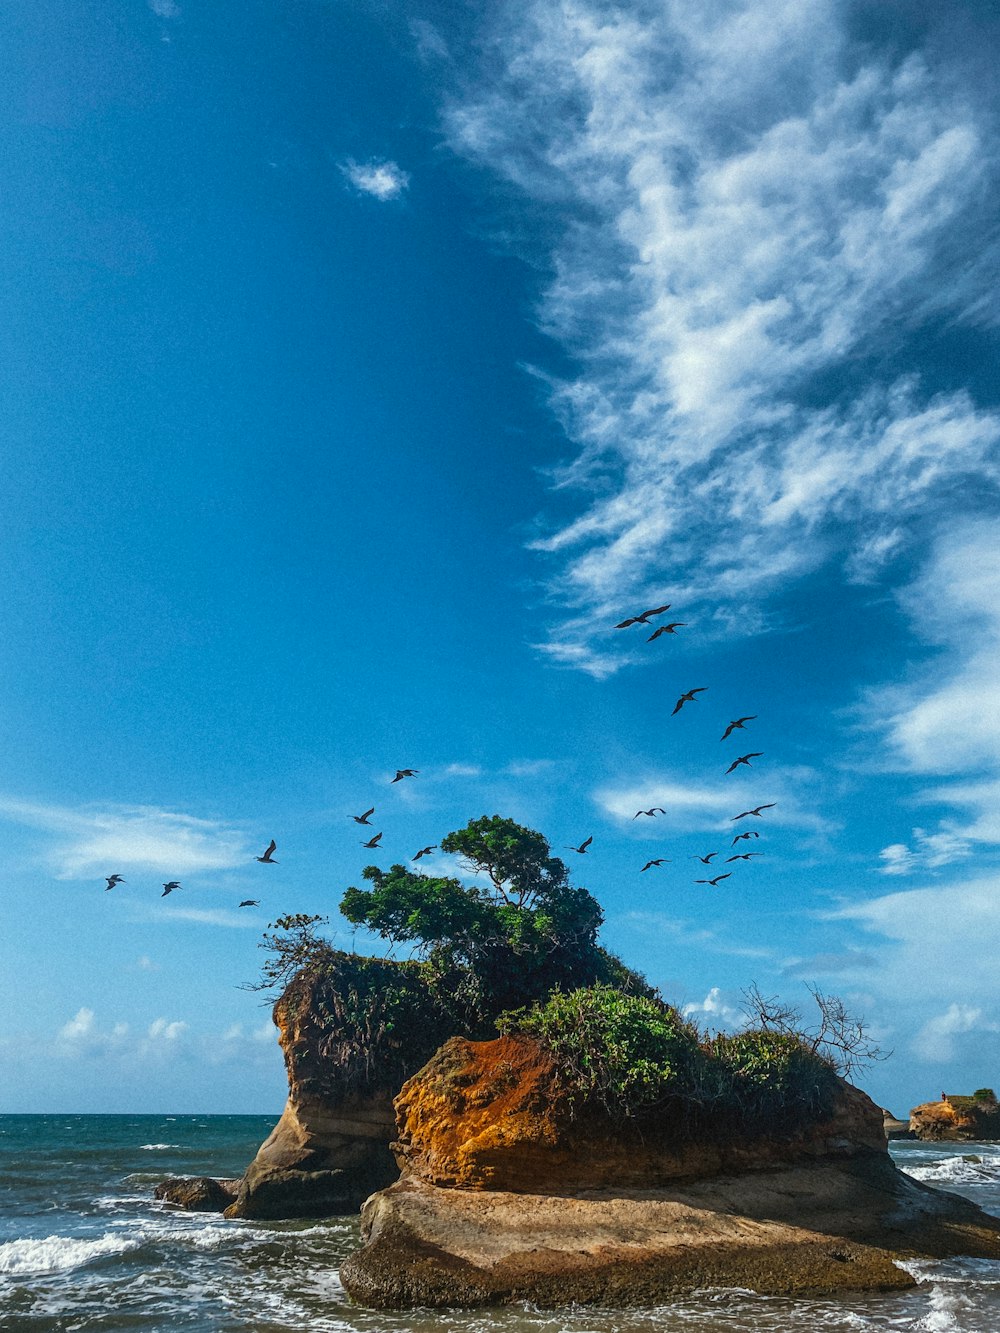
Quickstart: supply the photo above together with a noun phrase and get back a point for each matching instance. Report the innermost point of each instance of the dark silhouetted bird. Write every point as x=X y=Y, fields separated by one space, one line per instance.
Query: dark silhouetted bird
x=755 y=811
x=715 y=881
x=372 y=842
x=656 y=810
x=644 y=618
x=363 y=819
x=250 y=902
x=169 y=888
x=660 y=861
x=404 y=773
x=113 y=880
x=740 y=837
x=425 y=851
x=268 y=858
x=688 y=698
x=737 y=725
x=705 y=859
x=745 y=759
x=582 y=847
x=743 y=856
x=672 y=628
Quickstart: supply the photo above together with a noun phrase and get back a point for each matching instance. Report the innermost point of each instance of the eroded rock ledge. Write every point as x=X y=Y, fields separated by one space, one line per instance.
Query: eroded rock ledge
x=504 y=1197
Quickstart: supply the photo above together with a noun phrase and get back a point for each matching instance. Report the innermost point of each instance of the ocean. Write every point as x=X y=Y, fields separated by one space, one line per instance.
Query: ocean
x=83 y=1246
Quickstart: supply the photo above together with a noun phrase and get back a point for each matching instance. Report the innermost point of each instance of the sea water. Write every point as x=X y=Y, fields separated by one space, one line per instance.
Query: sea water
x=83 y=1246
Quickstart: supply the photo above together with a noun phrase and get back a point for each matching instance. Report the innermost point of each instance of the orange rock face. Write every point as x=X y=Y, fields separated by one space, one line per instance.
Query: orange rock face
x=494 y=1116
x=960 y=1118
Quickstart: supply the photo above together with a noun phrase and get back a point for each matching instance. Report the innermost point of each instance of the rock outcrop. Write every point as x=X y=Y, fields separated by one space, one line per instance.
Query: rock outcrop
x=963 y=1119
x=197 y=1194
x=506 y=1195
x=325 y=1155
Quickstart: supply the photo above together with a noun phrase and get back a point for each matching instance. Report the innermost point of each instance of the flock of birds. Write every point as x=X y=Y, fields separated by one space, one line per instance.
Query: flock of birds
x=688 y=697
x=743 y=760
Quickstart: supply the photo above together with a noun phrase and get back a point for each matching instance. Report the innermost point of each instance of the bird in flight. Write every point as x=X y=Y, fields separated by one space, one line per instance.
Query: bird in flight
x=714 y=882
x=169 y=888
x=644 y=618
x=250 y=902
x=372 y=842
x=745 y=759
x=425 y=851
x=113 y=880
x=582 y=847
x=751 y=833
x=688 y=698
x=268 y=857
x=363 y=819
x=404 y=773
x=735 y=725
x=660 y=861
x=755 y=811
x=743 y=856
x=656 y=810
x=672 y=628
x=705 y=859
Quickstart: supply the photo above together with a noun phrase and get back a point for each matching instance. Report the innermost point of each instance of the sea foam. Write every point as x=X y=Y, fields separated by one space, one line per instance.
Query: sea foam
x=56 y=1254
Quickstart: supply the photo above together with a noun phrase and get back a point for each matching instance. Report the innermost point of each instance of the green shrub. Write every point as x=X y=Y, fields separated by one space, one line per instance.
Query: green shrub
x=627 y=1054
x=770 y=1081
x=984 y=1095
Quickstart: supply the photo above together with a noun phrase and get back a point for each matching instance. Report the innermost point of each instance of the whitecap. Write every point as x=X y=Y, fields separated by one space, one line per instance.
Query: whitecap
x=157 y=1147
x=56 y=1254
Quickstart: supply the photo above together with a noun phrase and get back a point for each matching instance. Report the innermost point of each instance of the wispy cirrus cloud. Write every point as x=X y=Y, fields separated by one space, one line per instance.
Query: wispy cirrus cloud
x=382 y=180
x=752 y=217
x=88 y=840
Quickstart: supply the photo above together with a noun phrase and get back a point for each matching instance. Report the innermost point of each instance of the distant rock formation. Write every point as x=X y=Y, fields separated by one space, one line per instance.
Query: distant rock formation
x=507 y=1195
x=894 y=1127
x=958 y=1118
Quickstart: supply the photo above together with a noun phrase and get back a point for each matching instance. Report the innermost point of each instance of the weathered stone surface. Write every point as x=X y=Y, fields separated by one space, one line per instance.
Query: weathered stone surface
x=963 y=1119
x=493 y=1115
x=505 y=1197
x=807 y=1229
x=198 y=1194
x=323 y=1157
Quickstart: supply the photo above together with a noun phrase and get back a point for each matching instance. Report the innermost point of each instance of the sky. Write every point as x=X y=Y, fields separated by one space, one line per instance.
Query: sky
x=363 y=366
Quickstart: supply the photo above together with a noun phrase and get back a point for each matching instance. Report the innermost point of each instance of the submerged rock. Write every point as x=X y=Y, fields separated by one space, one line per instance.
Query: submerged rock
x=198 y=1194
x=508 y=1196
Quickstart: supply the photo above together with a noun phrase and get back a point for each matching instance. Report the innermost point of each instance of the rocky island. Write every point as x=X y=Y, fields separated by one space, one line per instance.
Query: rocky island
x=522 y=1117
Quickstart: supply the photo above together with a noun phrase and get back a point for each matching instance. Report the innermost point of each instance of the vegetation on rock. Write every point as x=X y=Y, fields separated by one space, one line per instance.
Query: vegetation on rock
x=517 y=951
x=636 y=1058
x=479 y=949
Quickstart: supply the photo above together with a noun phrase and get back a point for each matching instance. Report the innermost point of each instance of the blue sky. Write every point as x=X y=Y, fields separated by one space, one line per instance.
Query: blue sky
x=363 y=366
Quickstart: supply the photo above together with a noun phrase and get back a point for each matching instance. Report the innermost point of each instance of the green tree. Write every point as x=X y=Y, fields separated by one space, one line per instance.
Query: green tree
x=506 y=942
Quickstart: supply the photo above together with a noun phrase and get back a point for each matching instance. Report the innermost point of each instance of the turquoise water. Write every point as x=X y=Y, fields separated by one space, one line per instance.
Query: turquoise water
x=83 y=1246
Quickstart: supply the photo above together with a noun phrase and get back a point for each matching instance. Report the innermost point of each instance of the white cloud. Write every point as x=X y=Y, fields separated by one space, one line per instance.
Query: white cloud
x=948 y=719
x=382 y=180
x=165 y=9
x=937 y=944
x=202 y=916
x=931 y=851
x=161 y=1029
x=716 y=1012
x=690 y=806
x=92 y=841
x=935 y=1042
x=750 y=212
